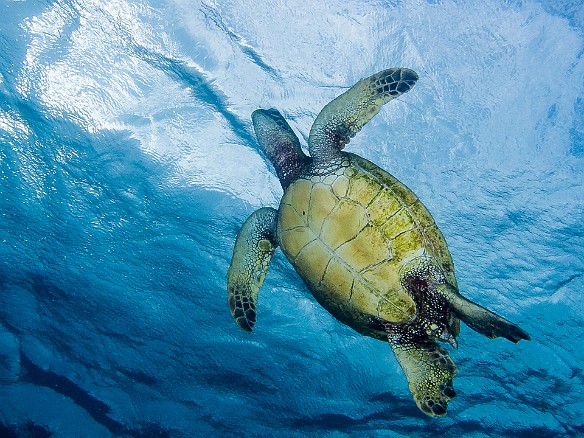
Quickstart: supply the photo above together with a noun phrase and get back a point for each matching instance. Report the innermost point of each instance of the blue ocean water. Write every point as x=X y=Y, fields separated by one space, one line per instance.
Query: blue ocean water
x=128 y=164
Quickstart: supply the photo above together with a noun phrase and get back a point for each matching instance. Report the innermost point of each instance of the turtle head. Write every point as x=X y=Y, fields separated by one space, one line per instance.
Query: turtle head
x=280 y=144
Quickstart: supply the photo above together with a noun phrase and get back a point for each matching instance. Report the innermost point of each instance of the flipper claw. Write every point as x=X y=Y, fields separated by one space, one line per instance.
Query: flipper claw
x=447 y=337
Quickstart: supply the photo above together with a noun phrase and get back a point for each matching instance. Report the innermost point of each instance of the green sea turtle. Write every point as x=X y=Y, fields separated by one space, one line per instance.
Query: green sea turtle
x=363 y=243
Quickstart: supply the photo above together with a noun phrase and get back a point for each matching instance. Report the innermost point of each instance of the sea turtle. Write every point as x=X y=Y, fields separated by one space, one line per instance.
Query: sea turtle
x=363 y=243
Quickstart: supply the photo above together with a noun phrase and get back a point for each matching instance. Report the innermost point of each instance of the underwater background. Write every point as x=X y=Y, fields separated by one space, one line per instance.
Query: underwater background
x=128 y=164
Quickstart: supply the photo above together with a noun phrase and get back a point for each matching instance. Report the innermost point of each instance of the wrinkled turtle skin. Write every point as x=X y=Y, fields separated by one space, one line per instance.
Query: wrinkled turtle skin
x=364 y=244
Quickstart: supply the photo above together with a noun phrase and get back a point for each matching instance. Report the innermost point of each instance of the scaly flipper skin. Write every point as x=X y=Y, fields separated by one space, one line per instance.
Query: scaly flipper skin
x=343 y=117
x=280 y=144
x=252 y=254
x=482 y=320
x=426 y=365
x=429 y=370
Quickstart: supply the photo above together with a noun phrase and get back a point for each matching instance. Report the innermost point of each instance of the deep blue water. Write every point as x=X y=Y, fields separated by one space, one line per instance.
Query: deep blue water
x=128 y=163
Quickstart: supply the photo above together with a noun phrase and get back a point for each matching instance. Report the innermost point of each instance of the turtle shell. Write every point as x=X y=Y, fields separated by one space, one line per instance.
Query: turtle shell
x=350 y=235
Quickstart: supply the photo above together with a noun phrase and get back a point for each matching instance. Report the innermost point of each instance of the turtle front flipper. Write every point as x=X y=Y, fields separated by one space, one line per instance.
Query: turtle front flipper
x=252 y=254
x=343 y=117
x=429 y=370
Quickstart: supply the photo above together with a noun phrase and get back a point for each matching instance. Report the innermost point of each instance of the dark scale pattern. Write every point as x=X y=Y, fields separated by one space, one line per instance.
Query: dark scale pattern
x=323 y=168
x=344 y=117
x=254 y=248
x=243 y=309
x=427 y=365
x=394 y=82
x=421 y=278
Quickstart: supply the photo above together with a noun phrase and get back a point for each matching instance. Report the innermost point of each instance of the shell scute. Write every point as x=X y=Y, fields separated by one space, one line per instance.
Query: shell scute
x=322 y=202
x=363 y=298
x=367 y=248
x=296 y=239
x=383 y=206
x=338 y=277
x=381 y=276
x=405 y=195
x=362 y=189
x=312 y=260
x=422 y=215
x=299 y=198
x=397 y=224
x=343 y=223
x=289 y=217
x=340 y=186
x=407 y=243
x=399 y=309
x=329 y=180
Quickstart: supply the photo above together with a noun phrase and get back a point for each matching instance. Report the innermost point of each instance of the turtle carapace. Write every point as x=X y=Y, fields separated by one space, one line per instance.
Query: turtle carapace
x=364 y=244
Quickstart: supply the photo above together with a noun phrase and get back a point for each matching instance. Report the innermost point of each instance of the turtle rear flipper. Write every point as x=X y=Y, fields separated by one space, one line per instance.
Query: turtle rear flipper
x=480 y=319
x=429 y=370
x=343 y=117
x=252 y=254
